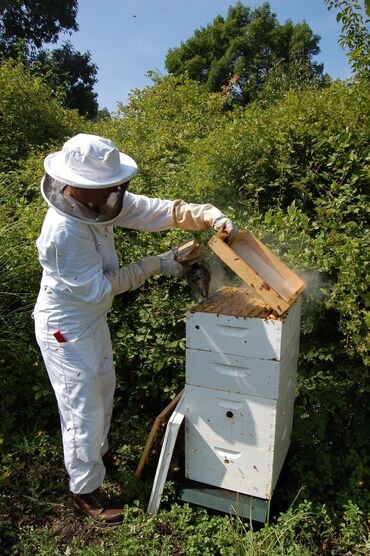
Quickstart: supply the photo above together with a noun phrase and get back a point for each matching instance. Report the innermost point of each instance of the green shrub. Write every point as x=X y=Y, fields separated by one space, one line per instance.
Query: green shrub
x=31 y=114
x=307 y=147
x=159 y=127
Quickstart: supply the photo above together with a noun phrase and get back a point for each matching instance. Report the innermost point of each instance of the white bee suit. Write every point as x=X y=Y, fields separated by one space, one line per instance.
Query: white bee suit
x=80 y=277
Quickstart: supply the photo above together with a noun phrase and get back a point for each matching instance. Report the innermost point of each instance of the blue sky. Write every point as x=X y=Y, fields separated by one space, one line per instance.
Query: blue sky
x=126 y=38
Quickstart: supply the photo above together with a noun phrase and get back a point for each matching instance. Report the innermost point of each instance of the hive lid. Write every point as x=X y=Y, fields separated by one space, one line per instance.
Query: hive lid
x=263 y=271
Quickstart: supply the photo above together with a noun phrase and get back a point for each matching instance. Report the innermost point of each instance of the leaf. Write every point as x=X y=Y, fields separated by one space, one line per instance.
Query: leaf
x=367 y=7
x=367 y=319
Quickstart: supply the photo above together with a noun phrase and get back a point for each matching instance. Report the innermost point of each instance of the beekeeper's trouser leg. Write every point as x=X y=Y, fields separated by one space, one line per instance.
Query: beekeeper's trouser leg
x=82 y=375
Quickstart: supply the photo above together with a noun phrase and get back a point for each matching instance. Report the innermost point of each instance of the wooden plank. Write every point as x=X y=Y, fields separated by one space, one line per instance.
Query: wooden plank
x=168 y=446
x=295 y=282
x=248 y=274
x=256 y=265
x=188 y=251
x=157 y=432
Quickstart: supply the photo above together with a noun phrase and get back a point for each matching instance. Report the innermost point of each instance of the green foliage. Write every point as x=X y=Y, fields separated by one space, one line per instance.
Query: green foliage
x=22 y=375
x=244 y=47
x=31 y=116
x=32 y=120
x=310 y=149
x=158 y=128
x=355 y=33
x=73 y=74
x=305 y=530
x=35 y=22
x=150 y=342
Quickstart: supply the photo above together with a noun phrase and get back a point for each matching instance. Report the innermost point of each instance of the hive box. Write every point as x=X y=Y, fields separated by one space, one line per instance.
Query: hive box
x=241 y=359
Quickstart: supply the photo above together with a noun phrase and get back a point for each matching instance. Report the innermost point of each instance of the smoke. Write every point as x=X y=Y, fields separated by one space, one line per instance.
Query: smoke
x=318 y=284
x=221 y=276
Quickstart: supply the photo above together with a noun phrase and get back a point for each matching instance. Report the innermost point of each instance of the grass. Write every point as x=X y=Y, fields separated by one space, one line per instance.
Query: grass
x=37 y=517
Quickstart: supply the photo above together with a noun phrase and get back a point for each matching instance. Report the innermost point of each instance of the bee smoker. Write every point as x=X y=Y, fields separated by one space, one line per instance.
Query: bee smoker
x=196 y=273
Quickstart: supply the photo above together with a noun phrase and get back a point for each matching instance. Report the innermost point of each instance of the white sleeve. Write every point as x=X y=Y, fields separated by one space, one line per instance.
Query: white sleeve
x=145 y=213
x=132 y=276
x=80 y=267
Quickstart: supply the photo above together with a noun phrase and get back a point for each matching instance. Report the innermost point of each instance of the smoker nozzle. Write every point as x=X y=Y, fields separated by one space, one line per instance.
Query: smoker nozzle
x=197 y=274
x=199 y=278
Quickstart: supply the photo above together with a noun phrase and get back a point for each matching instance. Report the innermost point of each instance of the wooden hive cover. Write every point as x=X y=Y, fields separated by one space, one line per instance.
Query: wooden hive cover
x=258 y=267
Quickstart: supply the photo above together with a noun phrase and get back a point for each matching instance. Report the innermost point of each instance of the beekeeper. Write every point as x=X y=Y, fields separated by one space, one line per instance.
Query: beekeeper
x=85 y=186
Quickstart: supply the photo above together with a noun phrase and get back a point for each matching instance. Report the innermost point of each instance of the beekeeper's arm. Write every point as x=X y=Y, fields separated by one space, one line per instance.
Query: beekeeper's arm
x=80 y=268
x=153 y=215
x=190 y=216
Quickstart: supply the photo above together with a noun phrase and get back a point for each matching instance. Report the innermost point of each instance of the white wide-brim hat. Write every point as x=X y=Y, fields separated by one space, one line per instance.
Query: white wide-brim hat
x=90 y=162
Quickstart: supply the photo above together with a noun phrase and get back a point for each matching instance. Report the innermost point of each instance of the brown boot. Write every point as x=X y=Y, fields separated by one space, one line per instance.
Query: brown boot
x=96 y=506
x=109 y=461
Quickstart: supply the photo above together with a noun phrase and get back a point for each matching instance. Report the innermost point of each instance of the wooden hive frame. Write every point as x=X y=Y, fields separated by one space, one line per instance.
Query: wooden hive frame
x=263 y=271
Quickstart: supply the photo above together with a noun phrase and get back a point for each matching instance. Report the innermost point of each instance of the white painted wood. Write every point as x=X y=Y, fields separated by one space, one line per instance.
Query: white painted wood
x=255 y=337
x=235 y=441
x=282 y=442
x=232 y=457
x=239 y=420
x=291 y=324
x=164 y=461
x=244 y=375
x=240 y=387
x=234 y=335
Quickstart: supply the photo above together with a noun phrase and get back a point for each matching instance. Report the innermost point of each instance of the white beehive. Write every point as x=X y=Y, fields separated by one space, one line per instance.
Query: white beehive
x=241 y=360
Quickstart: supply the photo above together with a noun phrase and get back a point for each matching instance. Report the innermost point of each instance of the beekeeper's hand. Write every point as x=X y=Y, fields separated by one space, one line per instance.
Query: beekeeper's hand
x=224 y=225
x=169 y=266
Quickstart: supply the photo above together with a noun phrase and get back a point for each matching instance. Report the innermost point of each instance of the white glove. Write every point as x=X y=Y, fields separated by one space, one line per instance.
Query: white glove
x=224 y=224
x=169 y=266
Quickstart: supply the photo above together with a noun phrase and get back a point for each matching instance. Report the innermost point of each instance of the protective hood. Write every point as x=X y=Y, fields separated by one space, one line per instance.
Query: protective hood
x=52 y=191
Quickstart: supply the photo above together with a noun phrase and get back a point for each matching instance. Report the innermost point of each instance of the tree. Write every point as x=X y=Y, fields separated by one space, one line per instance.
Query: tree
x=26 y=25
x=35 y=22
x=355 y=32
x=242 y=49
x=73 y=73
